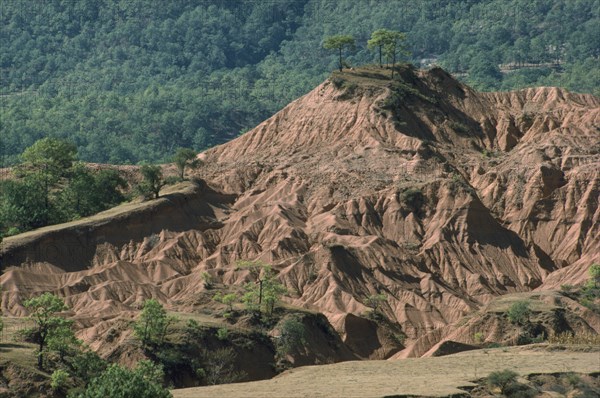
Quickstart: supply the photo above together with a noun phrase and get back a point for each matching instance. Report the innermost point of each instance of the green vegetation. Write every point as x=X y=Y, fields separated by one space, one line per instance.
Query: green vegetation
x=502 y=379
x=266 y=291
x=184 y=157
x=117 y=381
x=152 y=324
x=339 y=43
x=595 y=275
x=132 y=80
x=51 y=329
x=389 y=43
x=219 y=367
x=153 y=181
x=51 y=187
x=59 y=379
x=375 y=301
x=227 y=299
x=519 y=312
x=413 y=199
x=291 y=337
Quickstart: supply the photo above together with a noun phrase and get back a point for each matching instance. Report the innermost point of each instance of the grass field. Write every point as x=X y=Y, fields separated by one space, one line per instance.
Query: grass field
x=440 y=376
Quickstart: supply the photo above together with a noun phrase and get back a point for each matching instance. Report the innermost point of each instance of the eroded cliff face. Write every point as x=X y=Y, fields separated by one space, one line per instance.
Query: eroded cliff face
x=440 y=197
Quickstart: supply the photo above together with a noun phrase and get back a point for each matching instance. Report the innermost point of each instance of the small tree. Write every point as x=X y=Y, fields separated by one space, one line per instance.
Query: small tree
x=45 y=163
x=595 y=274
x=393 y=47
x=62 y=338
x=87 y=365
x=227 y=299
x=117 y=381
x=374 y=301
x=339 y=42
x=219 y=367
x=266 y=291
x=184 y=157
x=502 y=379
x=519 y=312
x=151 y=327
x=43 y=310
x=378 y=40
x=153 y=181
x=292 y=336
x=207 y=279
x=58 y=379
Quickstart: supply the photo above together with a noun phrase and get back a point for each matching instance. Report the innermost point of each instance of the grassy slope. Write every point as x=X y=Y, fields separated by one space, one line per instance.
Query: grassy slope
x=440 y=376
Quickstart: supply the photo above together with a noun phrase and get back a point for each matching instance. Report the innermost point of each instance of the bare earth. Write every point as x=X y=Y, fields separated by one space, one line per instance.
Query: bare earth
x=439 y=197
x=441 y=376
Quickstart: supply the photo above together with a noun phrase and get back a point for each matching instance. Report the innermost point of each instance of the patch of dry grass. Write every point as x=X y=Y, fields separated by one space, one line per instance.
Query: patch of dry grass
x=439 y=376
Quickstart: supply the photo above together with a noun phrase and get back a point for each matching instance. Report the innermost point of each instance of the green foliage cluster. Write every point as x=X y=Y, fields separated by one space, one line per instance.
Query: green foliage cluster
x=413 y=199
x=502 y=379
x=375 y=301
x=152 y=182
x=131 y=80
x=53 y=332
x=519 y=312
x=590 y=292
x=145 y=381
x=292 y=335
x=265 y=292
x=51 y=187
x=152 y=324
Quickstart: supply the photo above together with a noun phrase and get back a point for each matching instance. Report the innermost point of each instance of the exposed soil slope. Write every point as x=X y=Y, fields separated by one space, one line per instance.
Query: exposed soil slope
x=439 y=197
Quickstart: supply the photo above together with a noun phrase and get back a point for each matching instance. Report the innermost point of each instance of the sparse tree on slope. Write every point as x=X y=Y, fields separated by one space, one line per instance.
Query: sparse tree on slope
x=151 y=327
x=339 y=42
x=153 y=181
x=184 y=157
x=43 y=310
x=378 y=40
x=45 y=163
x=117 y=381
x=393 y=47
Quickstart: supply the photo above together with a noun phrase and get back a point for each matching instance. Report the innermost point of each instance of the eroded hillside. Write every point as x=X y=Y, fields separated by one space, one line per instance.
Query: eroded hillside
x=439 y=197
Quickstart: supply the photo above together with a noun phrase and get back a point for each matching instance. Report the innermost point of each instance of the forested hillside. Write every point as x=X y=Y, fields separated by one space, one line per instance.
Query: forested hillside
x=131 y=80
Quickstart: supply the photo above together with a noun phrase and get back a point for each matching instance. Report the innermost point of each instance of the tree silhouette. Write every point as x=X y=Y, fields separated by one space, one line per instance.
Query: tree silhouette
x=339 y=42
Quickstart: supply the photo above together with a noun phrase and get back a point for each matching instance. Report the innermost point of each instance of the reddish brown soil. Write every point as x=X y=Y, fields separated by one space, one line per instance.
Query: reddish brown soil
x=507 y=202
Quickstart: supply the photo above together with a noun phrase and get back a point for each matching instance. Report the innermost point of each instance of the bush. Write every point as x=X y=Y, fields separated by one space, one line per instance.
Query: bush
x=222 y=334
x=59 y=379
x=519 y=312
x=292 y=336
x=117 y=381
x=502 y=379
x=413 y=199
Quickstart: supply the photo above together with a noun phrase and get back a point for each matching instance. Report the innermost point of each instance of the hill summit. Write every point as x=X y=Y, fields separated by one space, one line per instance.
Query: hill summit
x=418 y=188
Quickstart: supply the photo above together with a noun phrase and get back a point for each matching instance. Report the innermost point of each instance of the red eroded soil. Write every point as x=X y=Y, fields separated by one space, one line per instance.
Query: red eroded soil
x=442 y=199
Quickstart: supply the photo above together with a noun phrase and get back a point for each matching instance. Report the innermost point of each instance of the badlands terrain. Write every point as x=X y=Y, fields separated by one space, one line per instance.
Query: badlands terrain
x=450 y=202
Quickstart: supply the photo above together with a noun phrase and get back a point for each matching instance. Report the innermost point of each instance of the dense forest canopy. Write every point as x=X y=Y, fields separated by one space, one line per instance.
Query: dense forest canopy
x=132 y=80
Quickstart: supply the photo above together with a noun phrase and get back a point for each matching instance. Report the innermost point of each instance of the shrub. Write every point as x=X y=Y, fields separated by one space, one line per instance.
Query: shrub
x=292 y=336
x=207 y=279
x=413 y=199
x=479 y=337
x=222 y=334
x=118 y=381
x=519 y=312
x=502 y=379
x=59 y=379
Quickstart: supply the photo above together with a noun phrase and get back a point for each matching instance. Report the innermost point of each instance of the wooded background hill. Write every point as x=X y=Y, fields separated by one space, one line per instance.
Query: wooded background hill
x=132 y=80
